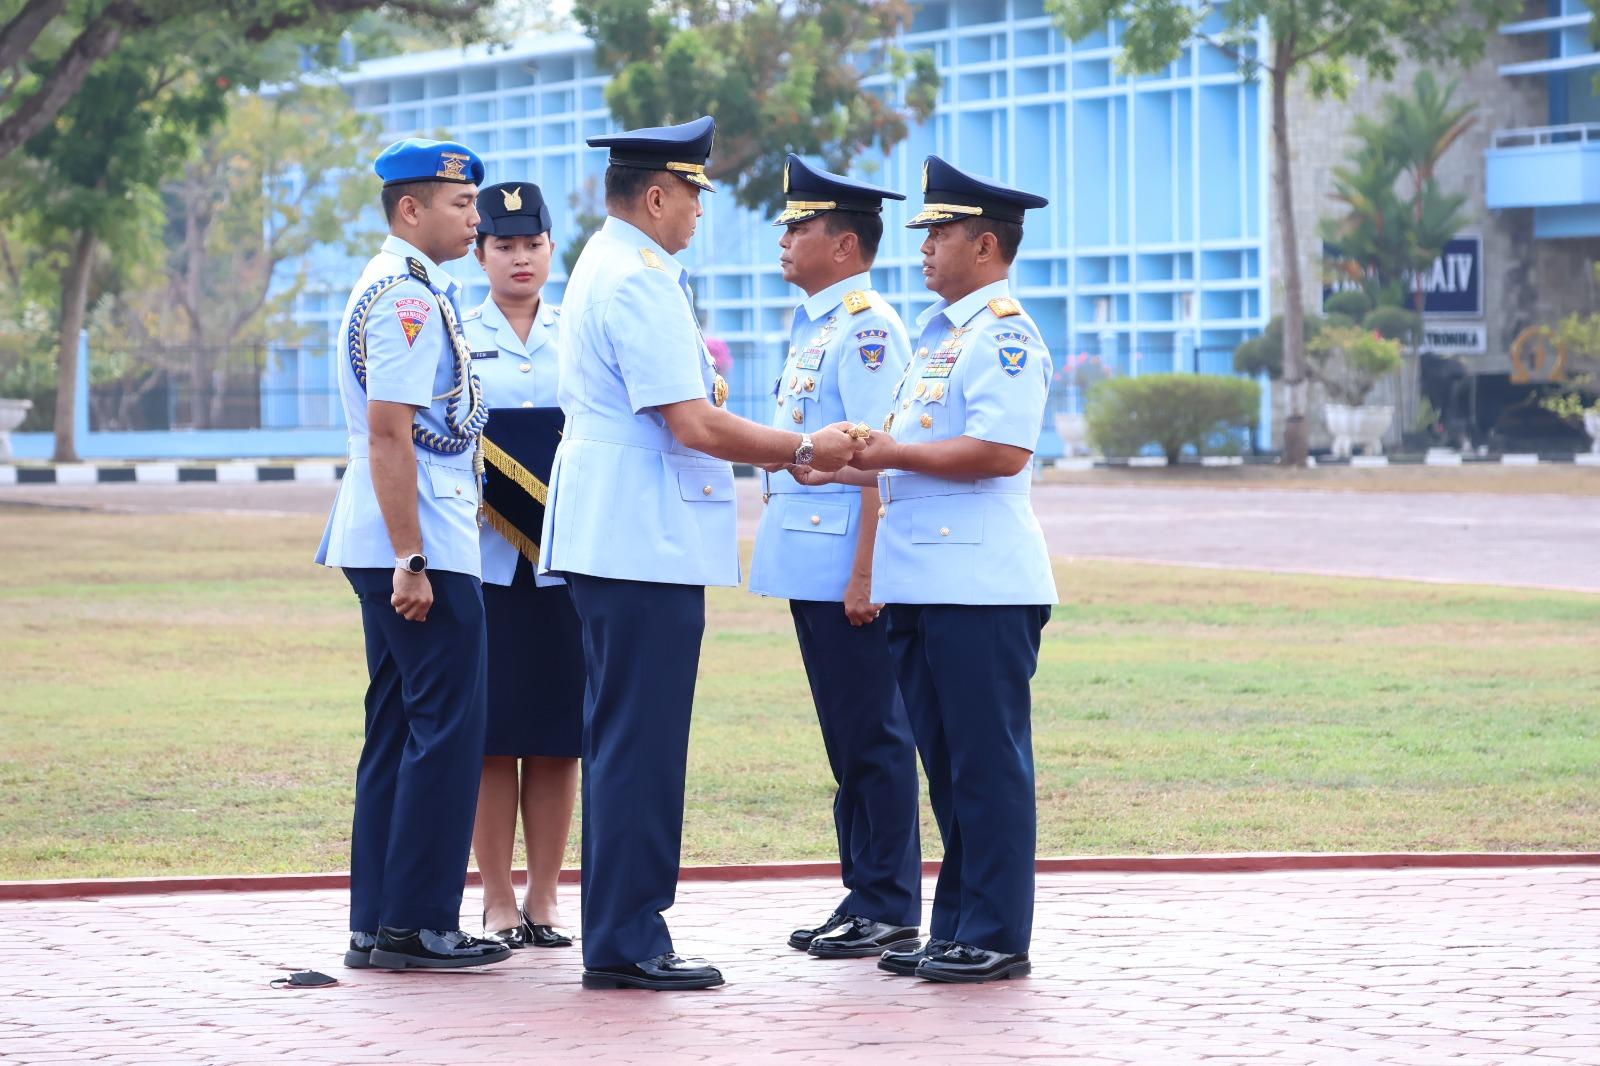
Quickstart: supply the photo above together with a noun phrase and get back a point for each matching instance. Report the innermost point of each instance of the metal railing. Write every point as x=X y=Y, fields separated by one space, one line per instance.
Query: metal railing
x=1545 y=136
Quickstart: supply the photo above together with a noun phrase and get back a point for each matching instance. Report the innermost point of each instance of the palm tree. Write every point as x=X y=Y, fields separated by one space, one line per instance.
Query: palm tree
x=1420 y=129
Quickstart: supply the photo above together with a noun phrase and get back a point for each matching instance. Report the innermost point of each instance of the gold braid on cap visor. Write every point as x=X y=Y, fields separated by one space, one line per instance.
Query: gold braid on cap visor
x=795 y=210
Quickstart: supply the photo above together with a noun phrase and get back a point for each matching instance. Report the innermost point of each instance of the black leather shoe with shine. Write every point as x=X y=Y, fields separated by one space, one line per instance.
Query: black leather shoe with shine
x=514 y=938
x=544 y=936
x=359 y=954
x=801 y=939
x=967 y=965
x=434 y=949
x=860 y=937
x=903 y=960
x=664 y=973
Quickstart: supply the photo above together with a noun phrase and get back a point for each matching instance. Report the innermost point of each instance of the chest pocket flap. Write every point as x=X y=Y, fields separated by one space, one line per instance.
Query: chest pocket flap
x=706 y=484
x=814 y=516
x=947 y=520
x=451 y=484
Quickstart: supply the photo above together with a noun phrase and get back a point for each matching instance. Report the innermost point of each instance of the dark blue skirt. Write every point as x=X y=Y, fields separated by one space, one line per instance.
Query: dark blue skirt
x=535 y=669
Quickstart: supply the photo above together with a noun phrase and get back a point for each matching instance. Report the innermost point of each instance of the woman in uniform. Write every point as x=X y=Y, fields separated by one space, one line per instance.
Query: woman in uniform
x=536 y=671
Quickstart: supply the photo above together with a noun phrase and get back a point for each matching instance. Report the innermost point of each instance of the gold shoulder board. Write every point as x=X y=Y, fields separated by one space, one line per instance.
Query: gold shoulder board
x=651 y=259
x=1004 y=307
x=856 y=301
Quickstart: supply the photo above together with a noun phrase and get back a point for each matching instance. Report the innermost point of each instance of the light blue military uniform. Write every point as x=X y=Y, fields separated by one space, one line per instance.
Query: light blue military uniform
x=514 y=373
x=847 y=350
x=638 y=524
x=980 y=370
x=412 y=368
x=417 y=780
x=963 y=571
x=627 y=500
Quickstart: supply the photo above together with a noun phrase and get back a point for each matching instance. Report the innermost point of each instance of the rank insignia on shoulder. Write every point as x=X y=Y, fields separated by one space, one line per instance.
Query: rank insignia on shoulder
x=856 y=301
x=418 y=271
x=413 y=315
x=651 y=259
x=1004 y=307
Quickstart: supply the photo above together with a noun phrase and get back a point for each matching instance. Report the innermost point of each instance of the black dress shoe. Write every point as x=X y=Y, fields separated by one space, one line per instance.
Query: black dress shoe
x=964 y=964
x=903 y=960
x=514 y=938
x=433 y=949
x=664 y=973
x=359 y=955
x=801 y=939
x=544 y=936
x=860 y=937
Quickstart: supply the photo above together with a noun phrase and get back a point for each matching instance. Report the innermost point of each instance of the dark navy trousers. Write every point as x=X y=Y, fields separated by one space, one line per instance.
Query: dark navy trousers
x=964 y=672
x=641 y=645
x=873 y=758
x=417 y=782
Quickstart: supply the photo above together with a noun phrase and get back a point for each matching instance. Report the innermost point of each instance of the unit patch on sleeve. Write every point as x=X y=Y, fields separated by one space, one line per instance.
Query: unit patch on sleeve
x=872 y=344
x=413 y=315
x=1013 y=354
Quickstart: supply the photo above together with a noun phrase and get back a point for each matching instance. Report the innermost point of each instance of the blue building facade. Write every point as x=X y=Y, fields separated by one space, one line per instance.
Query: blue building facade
x=1153 y=255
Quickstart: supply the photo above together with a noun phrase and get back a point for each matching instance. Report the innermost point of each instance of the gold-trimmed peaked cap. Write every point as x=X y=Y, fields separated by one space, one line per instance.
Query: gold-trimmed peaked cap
x=418 y=159
x=949 y=194
x=682 y=149
x=809 y=191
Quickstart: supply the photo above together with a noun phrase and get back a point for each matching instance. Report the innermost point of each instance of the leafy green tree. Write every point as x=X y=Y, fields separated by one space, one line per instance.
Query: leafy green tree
x=779 y=75
x=1317 y=41
x=49 y=49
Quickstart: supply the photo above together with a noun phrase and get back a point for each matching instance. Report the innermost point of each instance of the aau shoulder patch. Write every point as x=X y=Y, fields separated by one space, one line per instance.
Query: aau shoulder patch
x=1013 y=356
x=872 y=345
x=413 y=315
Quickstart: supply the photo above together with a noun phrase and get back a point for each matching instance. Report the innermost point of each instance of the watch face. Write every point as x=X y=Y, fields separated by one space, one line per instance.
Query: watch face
x=417 y=564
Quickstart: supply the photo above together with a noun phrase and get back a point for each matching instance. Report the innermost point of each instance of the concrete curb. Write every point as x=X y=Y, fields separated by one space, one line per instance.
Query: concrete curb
x=1244 y=862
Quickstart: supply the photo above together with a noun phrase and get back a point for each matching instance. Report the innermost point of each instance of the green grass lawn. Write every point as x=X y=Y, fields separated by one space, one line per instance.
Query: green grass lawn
x=181 y=694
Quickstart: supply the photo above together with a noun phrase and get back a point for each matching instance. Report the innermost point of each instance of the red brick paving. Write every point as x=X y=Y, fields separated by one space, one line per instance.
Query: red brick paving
x=1416 y=967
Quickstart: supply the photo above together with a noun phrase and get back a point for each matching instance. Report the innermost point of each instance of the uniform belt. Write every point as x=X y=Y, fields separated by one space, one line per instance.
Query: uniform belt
x=897 y=486
x=784 y=482
x=630 y=432
x=361 y=448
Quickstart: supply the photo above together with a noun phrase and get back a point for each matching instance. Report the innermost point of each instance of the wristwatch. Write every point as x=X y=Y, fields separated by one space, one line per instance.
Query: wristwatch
x=803 y=454
x=415 y=563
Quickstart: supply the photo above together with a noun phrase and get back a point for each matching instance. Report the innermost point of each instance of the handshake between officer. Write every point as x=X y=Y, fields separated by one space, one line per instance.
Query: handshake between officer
x=719 y=432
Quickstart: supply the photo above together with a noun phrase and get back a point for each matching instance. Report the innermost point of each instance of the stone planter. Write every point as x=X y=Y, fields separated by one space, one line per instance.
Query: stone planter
x=1591 y=426
x=1074 y=433
x=1357 y=426
x=12 y=412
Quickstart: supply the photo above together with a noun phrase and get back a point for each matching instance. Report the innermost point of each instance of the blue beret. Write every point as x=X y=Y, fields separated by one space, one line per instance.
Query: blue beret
x=683 y=149
x=948 y=194
x=512 y=209
x=810 y=192
x=416 y=159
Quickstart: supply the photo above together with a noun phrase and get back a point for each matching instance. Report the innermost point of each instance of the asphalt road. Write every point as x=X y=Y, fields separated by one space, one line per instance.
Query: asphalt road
x=1542 y=541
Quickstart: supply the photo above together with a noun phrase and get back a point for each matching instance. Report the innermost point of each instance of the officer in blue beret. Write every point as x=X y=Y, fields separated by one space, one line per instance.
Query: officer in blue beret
x=404 y=530
x=640 y=518
x=530 y=755
x=847 y=351
x=961 y=563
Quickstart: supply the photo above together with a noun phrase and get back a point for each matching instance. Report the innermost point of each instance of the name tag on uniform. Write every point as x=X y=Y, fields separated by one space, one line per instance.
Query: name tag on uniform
x=493 y=353
x=810 y=359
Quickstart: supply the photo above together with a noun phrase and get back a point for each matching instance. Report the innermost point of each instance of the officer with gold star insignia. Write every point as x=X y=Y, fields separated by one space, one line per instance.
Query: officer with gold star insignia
x=961 y=563
x=641 y=517
x=404 y=530
x=847 y=351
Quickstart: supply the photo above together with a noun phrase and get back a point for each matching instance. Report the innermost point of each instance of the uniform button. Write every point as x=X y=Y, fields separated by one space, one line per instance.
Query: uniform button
x=944 y=531
x=905 y=405
x=706 y=491
x=798 y=415
x=927 y=421
x=527 y=403
x=525 y=367
x=882 y=510
x=816 y=520
x=458 y=490
x=811 y=383
x=922 y=353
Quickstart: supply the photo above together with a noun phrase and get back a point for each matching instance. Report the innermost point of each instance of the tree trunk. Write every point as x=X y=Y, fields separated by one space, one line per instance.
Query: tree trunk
x=199 y=362
x=1296 y=431
x=74 y=301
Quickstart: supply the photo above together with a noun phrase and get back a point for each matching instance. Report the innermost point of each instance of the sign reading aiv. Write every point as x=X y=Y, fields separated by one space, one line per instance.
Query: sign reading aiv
x=1452 y=287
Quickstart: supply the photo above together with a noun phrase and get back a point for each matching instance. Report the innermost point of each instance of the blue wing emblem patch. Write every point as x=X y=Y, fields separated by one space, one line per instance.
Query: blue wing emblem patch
x=872 y=356
x=1012 y=360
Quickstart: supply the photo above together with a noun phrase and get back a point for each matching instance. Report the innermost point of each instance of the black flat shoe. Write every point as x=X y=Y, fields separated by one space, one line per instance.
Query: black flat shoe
x=801 y=939
x=664 y=973
x=902 y=961
x=964 y=964
x=860 y=937
x=433 y=949
x=544 y=936
x=359 y=954
x=514 y=938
